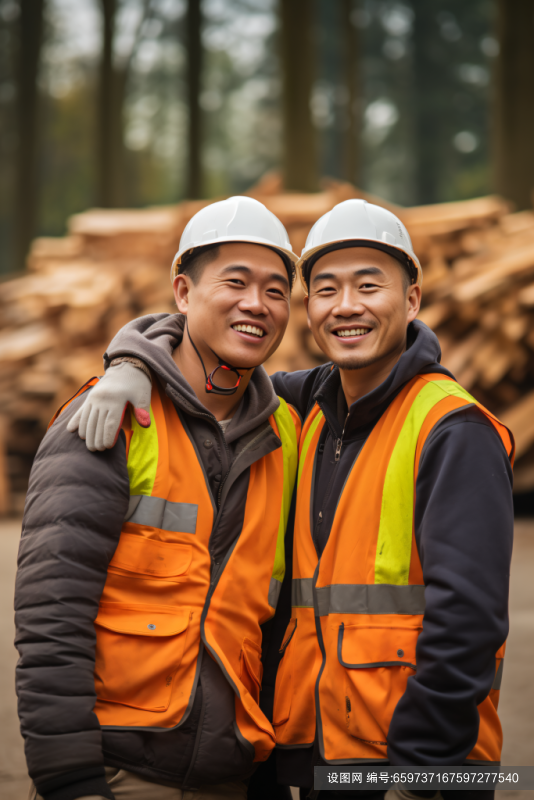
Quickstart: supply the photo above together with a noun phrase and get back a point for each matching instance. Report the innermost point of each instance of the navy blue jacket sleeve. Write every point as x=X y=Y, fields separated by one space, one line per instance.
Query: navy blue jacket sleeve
x=74 y=511
x=464 y=528
x=298 y=388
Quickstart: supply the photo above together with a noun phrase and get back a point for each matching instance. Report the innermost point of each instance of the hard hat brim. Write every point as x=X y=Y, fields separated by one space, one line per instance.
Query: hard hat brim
x=287 y=254
x=315 y=253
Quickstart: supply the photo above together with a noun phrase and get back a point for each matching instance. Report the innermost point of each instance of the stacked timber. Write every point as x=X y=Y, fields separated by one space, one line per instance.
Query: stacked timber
x=113 y=265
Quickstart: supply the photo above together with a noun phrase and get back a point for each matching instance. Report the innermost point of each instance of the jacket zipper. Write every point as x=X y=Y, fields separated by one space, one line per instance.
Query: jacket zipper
x=337 y=455
x=213 y=421
x=339 y=442
x=215 y=571
x=216 y=567
x=219 y=493
x=318 y=629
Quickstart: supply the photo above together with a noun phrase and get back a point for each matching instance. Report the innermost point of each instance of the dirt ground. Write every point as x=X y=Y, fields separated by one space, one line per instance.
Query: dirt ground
x=517 y=695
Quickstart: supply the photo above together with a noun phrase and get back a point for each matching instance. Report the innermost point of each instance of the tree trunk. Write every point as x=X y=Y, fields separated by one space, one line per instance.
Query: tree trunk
x=30 y=41
x=109 y=135
x=194 y=64
x=428 y=103
x=299 y=158
x=514 y=102
x=352 y=72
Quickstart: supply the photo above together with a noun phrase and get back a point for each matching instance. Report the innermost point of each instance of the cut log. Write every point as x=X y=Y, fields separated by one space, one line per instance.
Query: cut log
x=520 y=420
x=4 y=472
x=516 y=263
x=56 y=322
x=526 y=296
x=436 y=314
x=461 y=354
x=18 y=345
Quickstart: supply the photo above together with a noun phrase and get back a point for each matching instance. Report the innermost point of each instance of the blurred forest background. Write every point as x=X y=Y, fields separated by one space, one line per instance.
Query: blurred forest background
x=131 y=103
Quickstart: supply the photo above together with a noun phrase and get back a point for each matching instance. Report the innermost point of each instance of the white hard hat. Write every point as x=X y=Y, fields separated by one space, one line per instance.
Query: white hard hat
x=238 y=219
x=357 y=222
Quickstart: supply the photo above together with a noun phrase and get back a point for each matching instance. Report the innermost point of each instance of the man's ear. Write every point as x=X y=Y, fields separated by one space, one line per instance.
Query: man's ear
x=306 y=300
x=181 y=287
x=414 y=301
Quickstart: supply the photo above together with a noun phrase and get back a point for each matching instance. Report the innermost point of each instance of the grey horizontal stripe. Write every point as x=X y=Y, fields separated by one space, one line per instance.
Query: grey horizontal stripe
x=156 y=512
x=498 y=677
x=274 y=592
x=302 y=592
x=373 y=598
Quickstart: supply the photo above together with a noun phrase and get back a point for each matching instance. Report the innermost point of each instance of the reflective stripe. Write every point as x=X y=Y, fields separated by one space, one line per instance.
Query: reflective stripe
x=143 y=457
x=274 y=592
x=394 y=544
x=302 y=592
x=307 y=441
x=498 y=677
x=155 y=512
x=288 y=437
x=374 y=598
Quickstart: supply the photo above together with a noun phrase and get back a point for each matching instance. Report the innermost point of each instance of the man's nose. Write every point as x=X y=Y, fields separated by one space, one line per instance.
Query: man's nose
x=348 y=303
x=252 y=301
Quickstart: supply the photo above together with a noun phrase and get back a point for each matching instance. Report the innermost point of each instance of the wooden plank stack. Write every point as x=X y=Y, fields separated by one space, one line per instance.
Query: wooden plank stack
x=113 y=265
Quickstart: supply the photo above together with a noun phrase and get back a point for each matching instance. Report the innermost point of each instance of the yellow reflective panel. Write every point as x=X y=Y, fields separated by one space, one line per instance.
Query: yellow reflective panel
x=394 y=545
x=307 y=441
x=288 y=436
x=143 y=457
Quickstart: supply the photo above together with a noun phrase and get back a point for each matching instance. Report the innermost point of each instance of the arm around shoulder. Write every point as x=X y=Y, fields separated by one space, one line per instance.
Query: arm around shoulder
x=298 y=388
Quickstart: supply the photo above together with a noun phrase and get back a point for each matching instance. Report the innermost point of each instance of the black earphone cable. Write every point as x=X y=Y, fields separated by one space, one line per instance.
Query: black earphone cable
x=211 y=387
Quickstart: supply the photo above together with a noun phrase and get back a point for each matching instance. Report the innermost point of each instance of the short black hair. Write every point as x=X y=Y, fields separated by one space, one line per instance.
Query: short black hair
x=195 y=261
x=409 y=273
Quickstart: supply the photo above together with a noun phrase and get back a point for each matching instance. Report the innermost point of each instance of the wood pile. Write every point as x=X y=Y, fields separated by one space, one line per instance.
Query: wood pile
x=113 y=265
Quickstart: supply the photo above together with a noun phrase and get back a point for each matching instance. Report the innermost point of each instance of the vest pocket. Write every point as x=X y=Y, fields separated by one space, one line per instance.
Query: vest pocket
x=138 y=651
x=284 y=678
x=377 y=663
x=251 y=669
x=151 y=557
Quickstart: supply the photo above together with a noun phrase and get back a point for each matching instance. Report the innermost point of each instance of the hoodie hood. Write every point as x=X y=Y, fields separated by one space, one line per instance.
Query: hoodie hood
x=154 y=337
x=421 y=356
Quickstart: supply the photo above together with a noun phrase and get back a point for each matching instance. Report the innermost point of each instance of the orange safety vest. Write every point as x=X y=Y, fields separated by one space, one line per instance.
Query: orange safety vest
x=350 y=646
x=164 y=600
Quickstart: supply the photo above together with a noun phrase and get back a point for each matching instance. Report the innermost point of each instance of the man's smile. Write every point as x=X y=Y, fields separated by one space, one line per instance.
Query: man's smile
x=352 y=333
x=251 y=330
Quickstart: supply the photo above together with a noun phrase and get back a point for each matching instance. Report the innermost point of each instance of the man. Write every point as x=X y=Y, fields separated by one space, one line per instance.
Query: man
x=403 y=526
x=147 y=572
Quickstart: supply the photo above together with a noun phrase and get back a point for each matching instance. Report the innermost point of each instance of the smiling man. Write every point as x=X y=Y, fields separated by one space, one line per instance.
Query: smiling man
x=147 y=573
x=392 y=627
x=403 y=527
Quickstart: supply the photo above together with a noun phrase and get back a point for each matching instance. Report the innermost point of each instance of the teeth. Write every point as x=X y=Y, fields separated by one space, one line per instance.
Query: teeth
x=352 y=332
x=249 y=329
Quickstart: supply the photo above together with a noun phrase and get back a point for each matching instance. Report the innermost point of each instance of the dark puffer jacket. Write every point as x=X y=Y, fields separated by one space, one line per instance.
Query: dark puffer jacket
x=76 y=504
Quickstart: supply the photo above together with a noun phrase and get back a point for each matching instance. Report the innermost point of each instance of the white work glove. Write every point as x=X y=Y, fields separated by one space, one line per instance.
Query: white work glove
x=100 y=418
